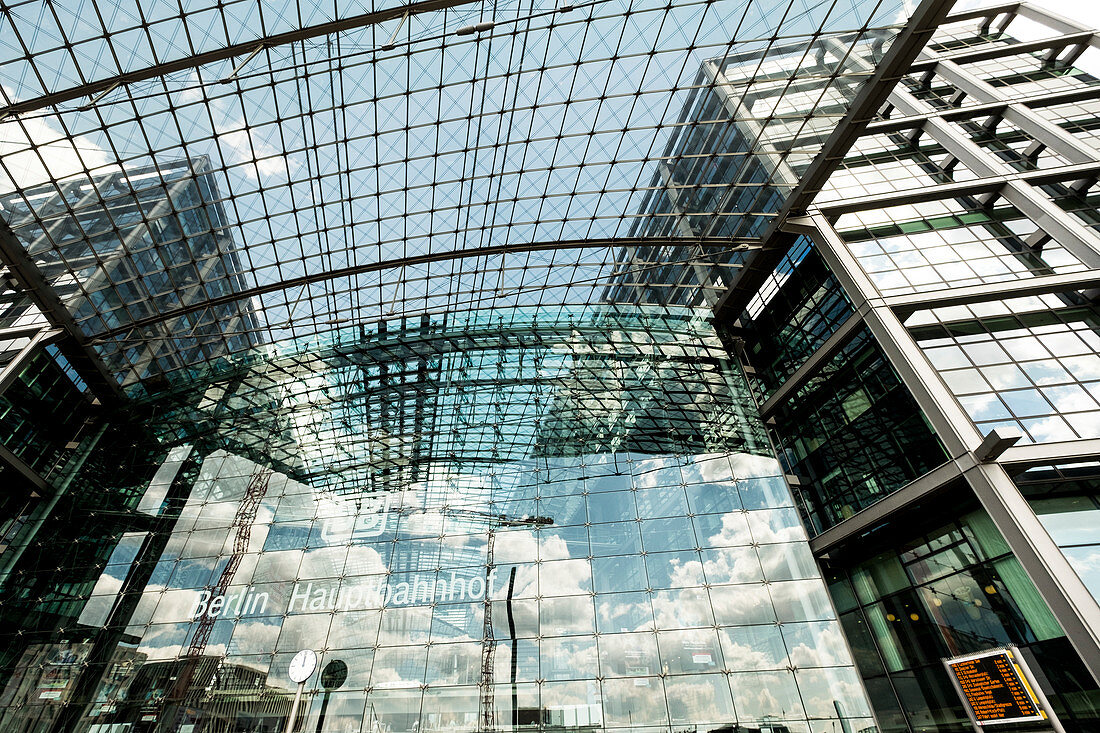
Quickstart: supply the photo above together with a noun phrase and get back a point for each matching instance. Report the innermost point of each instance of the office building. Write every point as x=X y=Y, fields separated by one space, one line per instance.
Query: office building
x=714 y=366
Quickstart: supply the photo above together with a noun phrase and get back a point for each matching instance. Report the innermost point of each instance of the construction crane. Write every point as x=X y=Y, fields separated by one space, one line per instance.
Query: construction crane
x=486 y=698
x=242 y=523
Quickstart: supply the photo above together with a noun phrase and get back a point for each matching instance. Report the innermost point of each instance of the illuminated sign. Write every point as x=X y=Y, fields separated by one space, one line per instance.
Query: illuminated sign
x=996 y=688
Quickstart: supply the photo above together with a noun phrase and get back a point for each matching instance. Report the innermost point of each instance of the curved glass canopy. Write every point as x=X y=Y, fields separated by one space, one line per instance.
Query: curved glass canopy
x=194 y=180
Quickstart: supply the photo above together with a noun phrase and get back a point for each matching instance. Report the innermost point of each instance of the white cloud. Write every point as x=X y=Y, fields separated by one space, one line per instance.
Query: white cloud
x=35 y=152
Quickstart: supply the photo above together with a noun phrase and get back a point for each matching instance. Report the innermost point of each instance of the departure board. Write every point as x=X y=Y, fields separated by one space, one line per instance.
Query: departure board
x=994 y=688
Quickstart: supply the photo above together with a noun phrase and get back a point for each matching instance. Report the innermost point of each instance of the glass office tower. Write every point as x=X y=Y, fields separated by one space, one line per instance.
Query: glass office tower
x=714 y=366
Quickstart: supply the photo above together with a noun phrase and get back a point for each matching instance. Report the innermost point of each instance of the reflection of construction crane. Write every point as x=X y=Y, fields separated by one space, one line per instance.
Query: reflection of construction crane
x=486 y=699
x=487 y=714
x=242 y=522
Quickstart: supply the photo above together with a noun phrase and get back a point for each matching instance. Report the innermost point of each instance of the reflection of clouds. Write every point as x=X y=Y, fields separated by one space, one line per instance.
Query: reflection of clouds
x=35 y=153
x=1049 y=429
x=99 y=606
x=566 y=615
x=775 y=525
x=524 y=546
x=678 y=608
x=740 y=605
x=565 y=577
x=733 y=531
x=760 y=694
x=699 y=698
x=634 y=702
x=624 y=612
x=743 y=657
x=750 y=466
x=801 y=600
x=732 y=565
x=823 y=646
x=657 y=658
x=628 y=655
x=255 y=636
x=821 y=687
x=561 y=658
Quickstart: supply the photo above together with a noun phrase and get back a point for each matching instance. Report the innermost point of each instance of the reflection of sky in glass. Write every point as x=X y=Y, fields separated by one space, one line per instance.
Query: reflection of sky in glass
x=331 y=153
x=676 y=624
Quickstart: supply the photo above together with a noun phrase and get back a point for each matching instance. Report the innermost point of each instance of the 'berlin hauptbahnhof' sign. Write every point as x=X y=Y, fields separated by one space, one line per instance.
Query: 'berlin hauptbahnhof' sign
x=995 y=688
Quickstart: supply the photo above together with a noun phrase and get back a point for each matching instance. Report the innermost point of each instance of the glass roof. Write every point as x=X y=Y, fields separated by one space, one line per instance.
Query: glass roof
x=195 y=180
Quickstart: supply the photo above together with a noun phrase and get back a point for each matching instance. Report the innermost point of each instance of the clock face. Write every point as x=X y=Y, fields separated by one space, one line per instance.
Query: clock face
x=303 y=664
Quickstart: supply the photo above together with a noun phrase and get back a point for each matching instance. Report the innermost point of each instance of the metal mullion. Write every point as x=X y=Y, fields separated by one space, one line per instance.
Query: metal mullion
x=905 y=305
x=44 y=298
x=1032 y=124
x=522 y=168
x=600 y=101
x=637 y=97
x=1066 y=596
x=1019 y=457
x=565 y=116
x=14 y=368
x=511 y=113
x=318 y=199
x=867 y=519
x=340 y=124
x=201 y=59
x=809 y=368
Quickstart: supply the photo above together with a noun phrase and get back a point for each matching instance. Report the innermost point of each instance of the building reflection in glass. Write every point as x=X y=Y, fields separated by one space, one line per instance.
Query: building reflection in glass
x=581 y=544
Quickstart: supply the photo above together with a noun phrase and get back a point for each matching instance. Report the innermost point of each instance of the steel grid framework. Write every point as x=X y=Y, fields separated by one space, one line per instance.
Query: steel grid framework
x=368 y=162
x=990 y=183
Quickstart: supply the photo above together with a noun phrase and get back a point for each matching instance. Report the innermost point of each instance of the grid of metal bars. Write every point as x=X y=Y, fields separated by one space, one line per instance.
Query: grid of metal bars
x=369 y=161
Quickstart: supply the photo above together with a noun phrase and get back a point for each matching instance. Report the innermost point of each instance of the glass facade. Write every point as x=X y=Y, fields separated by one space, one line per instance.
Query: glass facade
x=945 y=591
x=851 y=433
x=599 y=575
x=1066 y=500
x=624 y=367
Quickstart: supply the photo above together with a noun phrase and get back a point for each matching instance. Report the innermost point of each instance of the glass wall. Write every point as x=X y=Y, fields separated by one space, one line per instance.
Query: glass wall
x=1066 y=499
x=590 y=547
x=851 y=432
x=1027 y=363
x=943 y=591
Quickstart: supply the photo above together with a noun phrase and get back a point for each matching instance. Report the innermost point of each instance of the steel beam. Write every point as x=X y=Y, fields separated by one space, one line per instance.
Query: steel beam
x=1057 y=23
x=985 y=12
x=719 y=245
x=14 y=367
x=834 y=343
x=41 y=293
x=1069 y=147
x=1049 y=454
x=905 y=305
x=872 y=95
x=17 y=464
x=222 y=54
x=859 y=524
x=988 y=52
x=1071 y=602
x=969 y=111
x=973 y=187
